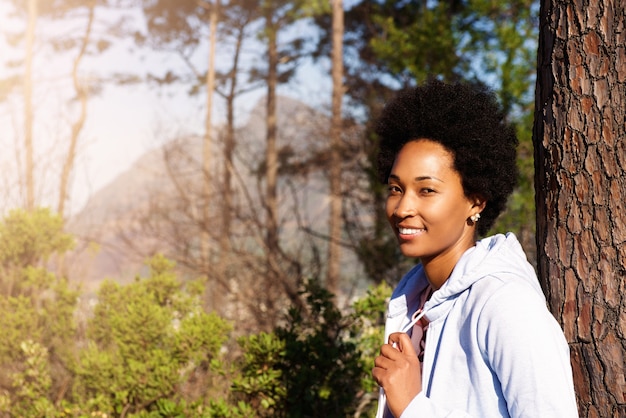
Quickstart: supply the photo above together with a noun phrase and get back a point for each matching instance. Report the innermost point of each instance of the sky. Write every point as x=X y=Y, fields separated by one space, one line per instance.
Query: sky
x=118 y=130
x=122 y=122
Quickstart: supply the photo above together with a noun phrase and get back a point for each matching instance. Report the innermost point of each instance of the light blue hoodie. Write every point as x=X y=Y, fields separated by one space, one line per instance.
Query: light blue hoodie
x=493 y=349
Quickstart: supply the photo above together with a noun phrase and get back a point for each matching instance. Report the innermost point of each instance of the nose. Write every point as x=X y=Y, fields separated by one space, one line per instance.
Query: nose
x=405 y=207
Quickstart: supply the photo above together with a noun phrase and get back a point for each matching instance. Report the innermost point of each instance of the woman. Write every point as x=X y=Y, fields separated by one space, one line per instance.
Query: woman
x=484 y=343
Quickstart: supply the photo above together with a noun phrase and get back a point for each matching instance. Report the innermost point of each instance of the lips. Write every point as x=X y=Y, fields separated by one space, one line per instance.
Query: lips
x=405 y=230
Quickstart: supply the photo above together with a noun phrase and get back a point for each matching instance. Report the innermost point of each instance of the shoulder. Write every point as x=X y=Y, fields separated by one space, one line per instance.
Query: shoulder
x=513 y=312
x=508 y=301
x=509 y=289
x=524 y=345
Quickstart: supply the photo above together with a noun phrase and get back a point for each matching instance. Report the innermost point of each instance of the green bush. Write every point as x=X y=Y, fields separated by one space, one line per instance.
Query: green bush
x=151 y=351
x=318 y=364
x=37 y=311
x=144 y=341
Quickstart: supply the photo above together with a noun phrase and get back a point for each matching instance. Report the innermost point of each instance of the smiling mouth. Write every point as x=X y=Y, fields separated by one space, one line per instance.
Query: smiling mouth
x=409 y=231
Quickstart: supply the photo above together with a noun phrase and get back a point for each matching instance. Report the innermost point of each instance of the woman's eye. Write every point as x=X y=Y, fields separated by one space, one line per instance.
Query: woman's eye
x=426 y=190
x=393 y=189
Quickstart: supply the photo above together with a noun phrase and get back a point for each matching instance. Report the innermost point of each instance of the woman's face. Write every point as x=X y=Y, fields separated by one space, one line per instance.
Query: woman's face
x=426 y=205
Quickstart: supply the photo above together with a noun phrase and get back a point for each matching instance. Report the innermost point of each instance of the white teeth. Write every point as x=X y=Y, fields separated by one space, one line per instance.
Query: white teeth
x=408 y=231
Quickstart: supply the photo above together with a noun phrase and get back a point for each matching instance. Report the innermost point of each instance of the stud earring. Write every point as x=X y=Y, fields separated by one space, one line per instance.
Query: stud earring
x=475 y=217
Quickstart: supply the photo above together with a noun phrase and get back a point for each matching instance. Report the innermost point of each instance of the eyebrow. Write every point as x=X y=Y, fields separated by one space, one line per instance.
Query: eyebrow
x=418 y=178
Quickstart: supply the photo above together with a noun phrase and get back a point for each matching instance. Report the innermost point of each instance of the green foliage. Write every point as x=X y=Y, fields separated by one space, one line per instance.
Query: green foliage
x=36 y=314
x=319 y=359
x=506 y=39
x=145 y=340
x=31 y=384
x=423 y=45
x=27 y=238
x=519 y=216
x=19 y=322
x=220 y=409
x=314 y=7
x=313 y=365
x=261 y=381
x=368 y=329
x=166 y=408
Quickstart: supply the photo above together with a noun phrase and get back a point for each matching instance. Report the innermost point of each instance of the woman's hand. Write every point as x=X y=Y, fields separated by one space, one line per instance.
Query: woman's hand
x=398 y=371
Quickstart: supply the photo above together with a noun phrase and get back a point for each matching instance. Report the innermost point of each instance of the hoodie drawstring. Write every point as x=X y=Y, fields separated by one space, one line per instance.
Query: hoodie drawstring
x=382 y=397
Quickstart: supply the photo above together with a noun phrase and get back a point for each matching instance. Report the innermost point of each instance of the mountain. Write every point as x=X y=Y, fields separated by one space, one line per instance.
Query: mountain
x=124 y=222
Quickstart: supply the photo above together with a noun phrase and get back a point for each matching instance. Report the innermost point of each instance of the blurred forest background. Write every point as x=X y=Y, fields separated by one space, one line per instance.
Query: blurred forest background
x=240 y=267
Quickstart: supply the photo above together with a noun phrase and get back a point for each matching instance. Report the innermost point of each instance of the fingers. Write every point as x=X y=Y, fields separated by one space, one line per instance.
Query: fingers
x=394 y=355
x=378 y=373
x=397 y=371
x=384 y=361
x=402 y=342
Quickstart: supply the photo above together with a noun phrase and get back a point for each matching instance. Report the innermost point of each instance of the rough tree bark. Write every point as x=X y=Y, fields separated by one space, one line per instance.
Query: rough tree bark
x=580 y=161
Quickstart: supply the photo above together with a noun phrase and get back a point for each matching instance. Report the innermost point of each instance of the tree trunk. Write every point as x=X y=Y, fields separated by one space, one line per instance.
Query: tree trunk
x=334 y=249
x=229 y=144
x=206 y=145
x=580 y=162
x=271 y=157
x=29 y=163
x=271 y=169
x=77 y=127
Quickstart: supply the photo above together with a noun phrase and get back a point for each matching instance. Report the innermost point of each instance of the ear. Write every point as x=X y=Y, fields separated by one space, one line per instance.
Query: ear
x=478 y=203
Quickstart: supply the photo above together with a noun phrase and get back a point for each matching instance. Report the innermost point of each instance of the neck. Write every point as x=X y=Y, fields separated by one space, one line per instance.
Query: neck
x=439 y=268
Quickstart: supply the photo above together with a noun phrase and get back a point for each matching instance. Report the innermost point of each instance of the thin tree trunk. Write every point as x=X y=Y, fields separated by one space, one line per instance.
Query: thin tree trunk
x=273 y=275
x=81 y=93
x=229 y=147
x=271 y=157
x=29 y=166
x=334 y=248
x=206 y=146
x=580 y=162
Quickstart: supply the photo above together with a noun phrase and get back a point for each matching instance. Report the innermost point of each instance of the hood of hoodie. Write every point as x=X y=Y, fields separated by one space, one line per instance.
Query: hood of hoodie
x=498 y=255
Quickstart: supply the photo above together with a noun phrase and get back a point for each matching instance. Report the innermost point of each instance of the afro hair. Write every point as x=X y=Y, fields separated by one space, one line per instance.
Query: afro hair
x=470 y=123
